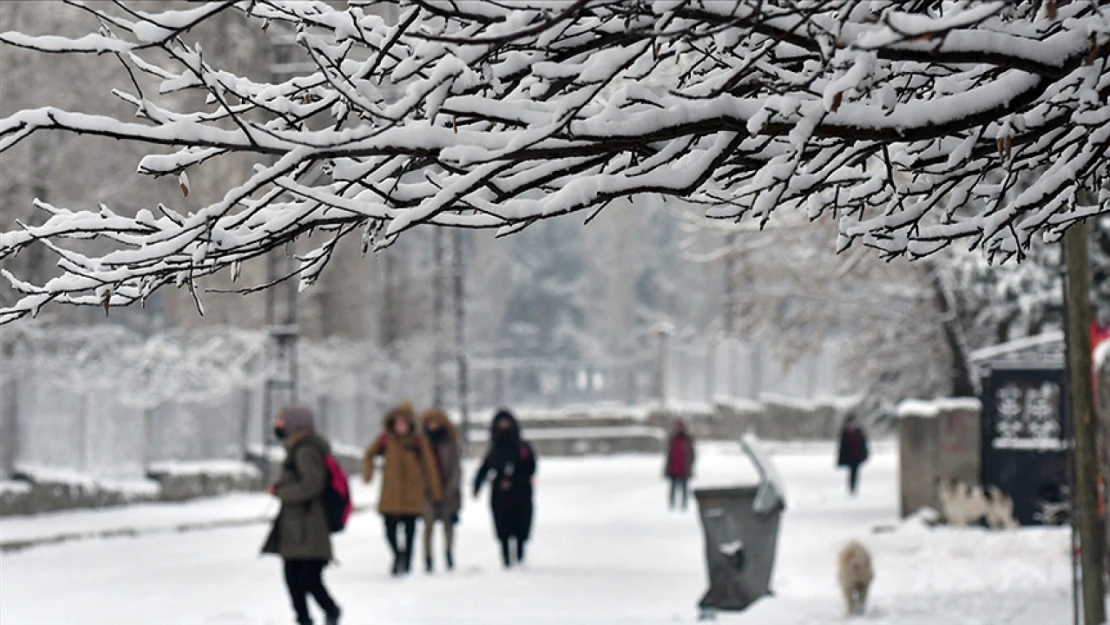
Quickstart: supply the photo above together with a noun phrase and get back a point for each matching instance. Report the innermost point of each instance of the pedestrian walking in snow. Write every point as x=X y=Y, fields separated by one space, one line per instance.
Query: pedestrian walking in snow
x=300 y=534
x=853 y=451
x=409 y=480
x=513 y=463
x=443 y=439
x=679 y=464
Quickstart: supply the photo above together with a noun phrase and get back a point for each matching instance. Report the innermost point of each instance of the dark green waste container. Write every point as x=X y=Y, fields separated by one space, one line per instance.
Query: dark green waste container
x=741 y=526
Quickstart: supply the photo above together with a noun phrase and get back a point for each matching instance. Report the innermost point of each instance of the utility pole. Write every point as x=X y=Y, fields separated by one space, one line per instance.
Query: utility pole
x=460 y=339
x=730 y=286
x=280 y=355
x=438 y=286
x=1083 y=425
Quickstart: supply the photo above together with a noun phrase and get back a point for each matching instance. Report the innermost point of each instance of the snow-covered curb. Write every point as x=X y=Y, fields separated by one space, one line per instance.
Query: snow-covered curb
x=233 y=468
x=63 y=478
x=543 y=434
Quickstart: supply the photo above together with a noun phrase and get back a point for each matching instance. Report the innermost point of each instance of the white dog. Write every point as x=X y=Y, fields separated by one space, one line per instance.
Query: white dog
x=855 y=574
x=1000 y=509
x=964 y=504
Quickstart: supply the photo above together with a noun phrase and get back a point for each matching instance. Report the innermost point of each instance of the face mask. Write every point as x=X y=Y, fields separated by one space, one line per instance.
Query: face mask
x=279 y=432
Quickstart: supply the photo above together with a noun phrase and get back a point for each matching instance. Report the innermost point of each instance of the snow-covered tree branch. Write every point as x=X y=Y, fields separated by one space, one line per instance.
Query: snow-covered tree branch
x=915 y=124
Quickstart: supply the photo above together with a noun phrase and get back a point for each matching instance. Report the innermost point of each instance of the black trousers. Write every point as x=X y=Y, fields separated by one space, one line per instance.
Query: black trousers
x=393 y=522
x=853 y=478
x=679 y=484
x=304 y=578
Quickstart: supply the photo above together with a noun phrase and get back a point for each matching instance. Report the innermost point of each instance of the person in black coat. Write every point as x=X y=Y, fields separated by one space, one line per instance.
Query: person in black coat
x=853 y=451
x=513 y=464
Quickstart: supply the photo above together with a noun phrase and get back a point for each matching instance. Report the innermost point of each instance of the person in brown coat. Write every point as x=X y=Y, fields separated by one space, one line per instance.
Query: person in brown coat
x=300 y=533
x=409 y=480
x=444 y=441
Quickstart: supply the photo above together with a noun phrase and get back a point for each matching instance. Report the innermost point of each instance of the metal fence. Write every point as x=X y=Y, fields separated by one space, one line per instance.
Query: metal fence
x=109 y=402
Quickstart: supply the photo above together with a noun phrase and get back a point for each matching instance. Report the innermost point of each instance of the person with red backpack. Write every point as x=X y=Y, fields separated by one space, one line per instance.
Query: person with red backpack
x=410 y=480
x=513 y=463
x=301 y=533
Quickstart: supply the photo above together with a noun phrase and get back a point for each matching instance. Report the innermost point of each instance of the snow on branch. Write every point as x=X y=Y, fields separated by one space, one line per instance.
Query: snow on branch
x=915 y=124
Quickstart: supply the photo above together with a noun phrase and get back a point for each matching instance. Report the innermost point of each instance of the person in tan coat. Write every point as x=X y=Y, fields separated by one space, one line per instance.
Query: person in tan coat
x=409 y=480
x=444 y=441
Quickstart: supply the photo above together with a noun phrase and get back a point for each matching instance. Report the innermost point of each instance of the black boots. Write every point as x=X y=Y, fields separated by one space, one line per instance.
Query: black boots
x=428 y=565
x=519 y=551
x=450 y=562
x=398 y=563
x=402 y=563
x=506 y=557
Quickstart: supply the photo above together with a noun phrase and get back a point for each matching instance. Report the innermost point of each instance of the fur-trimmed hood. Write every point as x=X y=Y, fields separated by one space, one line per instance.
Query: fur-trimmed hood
x=404 y=411
x=437 y=415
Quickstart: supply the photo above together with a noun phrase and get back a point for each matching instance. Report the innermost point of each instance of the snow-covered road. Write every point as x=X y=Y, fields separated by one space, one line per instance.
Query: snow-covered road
x=606 y=551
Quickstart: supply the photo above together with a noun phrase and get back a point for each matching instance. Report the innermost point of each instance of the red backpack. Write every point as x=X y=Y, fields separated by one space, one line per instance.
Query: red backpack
x=337 y=496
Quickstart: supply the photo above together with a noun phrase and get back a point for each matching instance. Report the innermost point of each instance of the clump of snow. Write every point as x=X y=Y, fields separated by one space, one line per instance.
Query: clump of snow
x=924 y=518
x=932 y=409
x=14 y=487
x=731 y=548
x=205 y=467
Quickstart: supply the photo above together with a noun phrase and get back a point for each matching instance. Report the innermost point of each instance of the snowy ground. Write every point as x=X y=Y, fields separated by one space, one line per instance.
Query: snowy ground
x=606 y=552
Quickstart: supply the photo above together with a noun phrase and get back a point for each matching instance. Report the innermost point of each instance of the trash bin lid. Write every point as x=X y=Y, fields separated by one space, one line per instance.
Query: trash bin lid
x=727 y=492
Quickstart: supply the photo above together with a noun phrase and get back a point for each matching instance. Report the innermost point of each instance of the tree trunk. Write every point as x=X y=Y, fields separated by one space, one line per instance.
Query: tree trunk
x=961 y=383
x=1083 y=424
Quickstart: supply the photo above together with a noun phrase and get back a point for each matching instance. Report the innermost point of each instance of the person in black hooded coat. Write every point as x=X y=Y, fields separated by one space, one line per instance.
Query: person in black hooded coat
x=513 y=464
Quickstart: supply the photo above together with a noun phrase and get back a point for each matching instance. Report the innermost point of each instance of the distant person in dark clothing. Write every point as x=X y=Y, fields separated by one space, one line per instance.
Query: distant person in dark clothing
x=300 y=534
x=513 y=464
x=853 y=451
x=679 y=465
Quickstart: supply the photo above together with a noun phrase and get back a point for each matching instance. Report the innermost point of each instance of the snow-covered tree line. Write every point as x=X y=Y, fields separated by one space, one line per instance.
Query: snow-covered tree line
x=908 y=328
x=914 y=124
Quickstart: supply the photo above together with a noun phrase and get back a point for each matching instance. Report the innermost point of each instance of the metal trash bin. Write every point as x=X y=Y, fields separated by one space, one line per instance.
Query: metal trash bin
x=741 y=526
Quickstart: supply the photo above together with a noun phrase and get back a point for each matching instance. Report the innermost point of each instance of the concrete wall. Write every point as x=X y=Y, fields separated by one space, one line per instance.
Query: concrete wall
x=771 y=419
x=9 y=432
x=937 y=441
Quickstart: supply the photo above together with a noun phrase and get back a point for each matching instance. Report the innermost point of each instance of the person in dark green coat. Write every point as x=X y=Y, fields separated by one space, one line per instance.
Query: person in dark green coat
x=300 y=533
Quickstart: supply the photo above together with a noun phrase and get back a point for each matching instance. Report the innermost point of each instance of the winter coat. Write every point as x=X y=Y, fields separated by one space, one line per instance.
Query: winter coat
x=853 y=447
x=681 y=455
x=300 y=531
x=512 y=462
x=448 y=463
x=409 y=475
